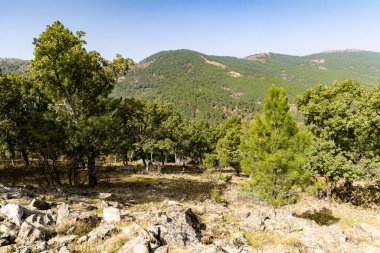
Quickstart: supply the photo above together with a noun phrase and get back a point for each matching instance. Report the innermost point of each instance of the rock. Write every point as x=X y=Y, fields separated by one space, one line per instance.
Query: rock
x=40 y=218
x=105 y=195
x=192 y=219
x=111 y=214
x=99 y=233
x=136 y=245
x=163 y=249
x=40 y=204
x=238 y=240
x=39 y=246
x=64 y=214
x=7 y=235
x=13 y=212
x=87 y=206
x=7 y=249
x=29 y=234
x=181 y=229
x=173 y=203
x=61 y=240
x=371 y=233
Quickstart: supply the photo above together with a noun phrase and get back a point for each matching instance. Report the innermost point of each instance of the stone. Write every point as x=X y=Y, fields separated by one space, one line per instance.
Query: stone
x=7 y=235
x=111 y=214
x=370 y=232
x=13 y=213
x=39 y=246
x=162 y=249
x=136 y=245
x=40 y=204
x=41 y=219
x=7 y=249
x=99 y=233
x=64 y=214
x=29 y=234
x=61 y=240
x=173 y=203
x=105 y=195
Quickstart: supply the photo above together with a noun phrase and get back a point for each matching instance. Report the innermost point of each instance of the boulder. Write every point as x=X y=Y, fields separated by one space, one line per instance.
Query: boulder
x=29 y=234
x=111 y=214
x=13 y=213
x=181 y=229
x=66 y=214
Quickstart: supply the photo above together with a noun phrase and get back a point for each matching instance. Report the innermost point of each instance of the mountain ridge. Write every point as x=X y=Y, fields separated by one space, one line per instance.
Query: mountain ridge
x=213 y=87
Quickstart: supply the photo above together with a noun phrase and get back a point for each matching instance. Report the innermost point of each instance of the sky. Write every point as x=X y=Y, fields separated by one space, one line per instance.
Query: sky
x=140 y=28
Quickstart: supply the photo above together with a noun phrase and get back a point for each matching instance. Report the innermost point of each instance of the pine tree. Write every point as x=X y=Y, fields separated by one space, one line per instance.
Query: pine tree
x=274 y=151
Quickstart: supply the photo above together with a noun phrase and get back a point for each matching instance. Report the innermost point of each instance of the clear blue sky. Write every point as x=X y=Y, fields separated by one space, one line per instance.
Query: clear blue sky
x=139 y=28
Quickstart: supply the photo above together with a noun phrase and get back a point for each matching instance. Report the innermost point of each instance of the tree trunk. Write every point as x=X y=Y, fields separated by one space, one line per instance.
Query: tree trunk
x=92 y=178
x=25 y=157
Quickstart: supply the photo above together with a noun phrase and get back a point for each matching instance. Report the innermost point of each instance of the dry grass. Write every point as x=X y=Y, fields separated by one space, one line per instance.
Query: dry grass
x=258 y=239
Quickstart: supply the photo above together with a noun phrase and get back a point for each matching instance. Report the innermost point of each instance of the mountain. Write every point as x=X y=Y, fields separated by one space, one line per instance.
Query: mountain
x=13 y=65
x=212 y=87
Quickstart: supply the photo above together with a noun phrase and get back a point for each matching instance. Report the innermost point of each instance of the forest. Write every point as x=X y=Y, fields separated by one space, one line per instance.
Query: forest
x=59 y=120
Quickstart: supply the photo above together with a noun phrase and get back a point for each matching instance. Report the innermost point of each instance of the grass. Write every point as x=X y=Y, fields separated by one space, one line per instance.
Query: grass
x=258 y=239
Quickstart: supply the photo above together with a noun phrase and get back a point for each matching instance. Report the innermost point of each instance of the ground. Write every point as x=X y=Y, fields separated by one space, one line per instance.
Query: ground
x=152 y=210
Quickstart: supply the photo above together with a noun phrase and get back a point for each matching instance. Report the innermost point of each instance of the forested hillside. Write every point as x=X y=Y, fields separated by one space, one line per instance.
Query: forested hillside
x=214 y=87
x=13 y=65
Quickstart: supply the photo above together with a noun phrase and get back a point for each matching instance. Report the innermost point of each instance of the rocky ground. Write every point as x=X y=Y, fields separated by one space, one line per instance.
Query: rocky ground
x=172 y=219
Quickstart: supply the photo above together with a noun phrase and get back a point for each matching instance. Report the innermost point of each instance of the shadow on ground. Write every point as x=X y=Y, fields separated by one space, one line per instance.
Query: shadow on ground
x=321 y=217
x=127 y=183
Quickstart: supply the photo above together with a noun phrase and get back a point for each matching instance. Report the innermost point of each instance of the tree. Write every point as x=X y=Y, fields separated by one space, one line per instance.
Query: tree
x=21 y=105
x=77 y=83
x=274 y=150
x=227 y=148
x=345 y=119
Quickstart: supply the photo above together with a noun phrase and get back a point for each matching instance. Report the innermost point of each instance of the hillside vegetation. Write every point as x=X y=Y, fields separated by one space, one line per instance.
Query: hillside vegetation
x=13 y=65
x=213 y=87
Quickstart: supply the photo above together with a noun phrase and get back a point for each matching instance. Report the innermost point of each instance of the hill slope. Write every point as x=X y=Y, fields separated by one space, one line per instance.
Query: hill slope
x=212 y=87
x=13 y=65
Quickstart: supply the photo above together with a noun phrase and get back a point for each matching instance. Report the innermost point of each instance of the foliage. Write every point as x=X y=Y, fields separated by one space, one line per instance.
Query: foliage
x=77 y=83
x=227 y=147
x=345 y=119
x=274 y=150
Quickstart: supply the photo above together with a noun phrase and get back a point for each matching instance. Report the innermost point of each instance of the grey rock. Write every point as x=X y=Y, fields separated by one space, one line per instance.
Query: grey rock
x=136 y=245
x=40 y=218
x=111 y=214
x=100 y=232
x=29 y=234
x=13 y=213
x=61 y=240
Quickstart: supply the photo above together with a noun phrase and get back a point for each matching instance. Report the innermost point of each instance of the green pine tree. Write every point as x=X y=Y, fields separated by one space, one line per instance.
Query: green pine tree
x=274 y=151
